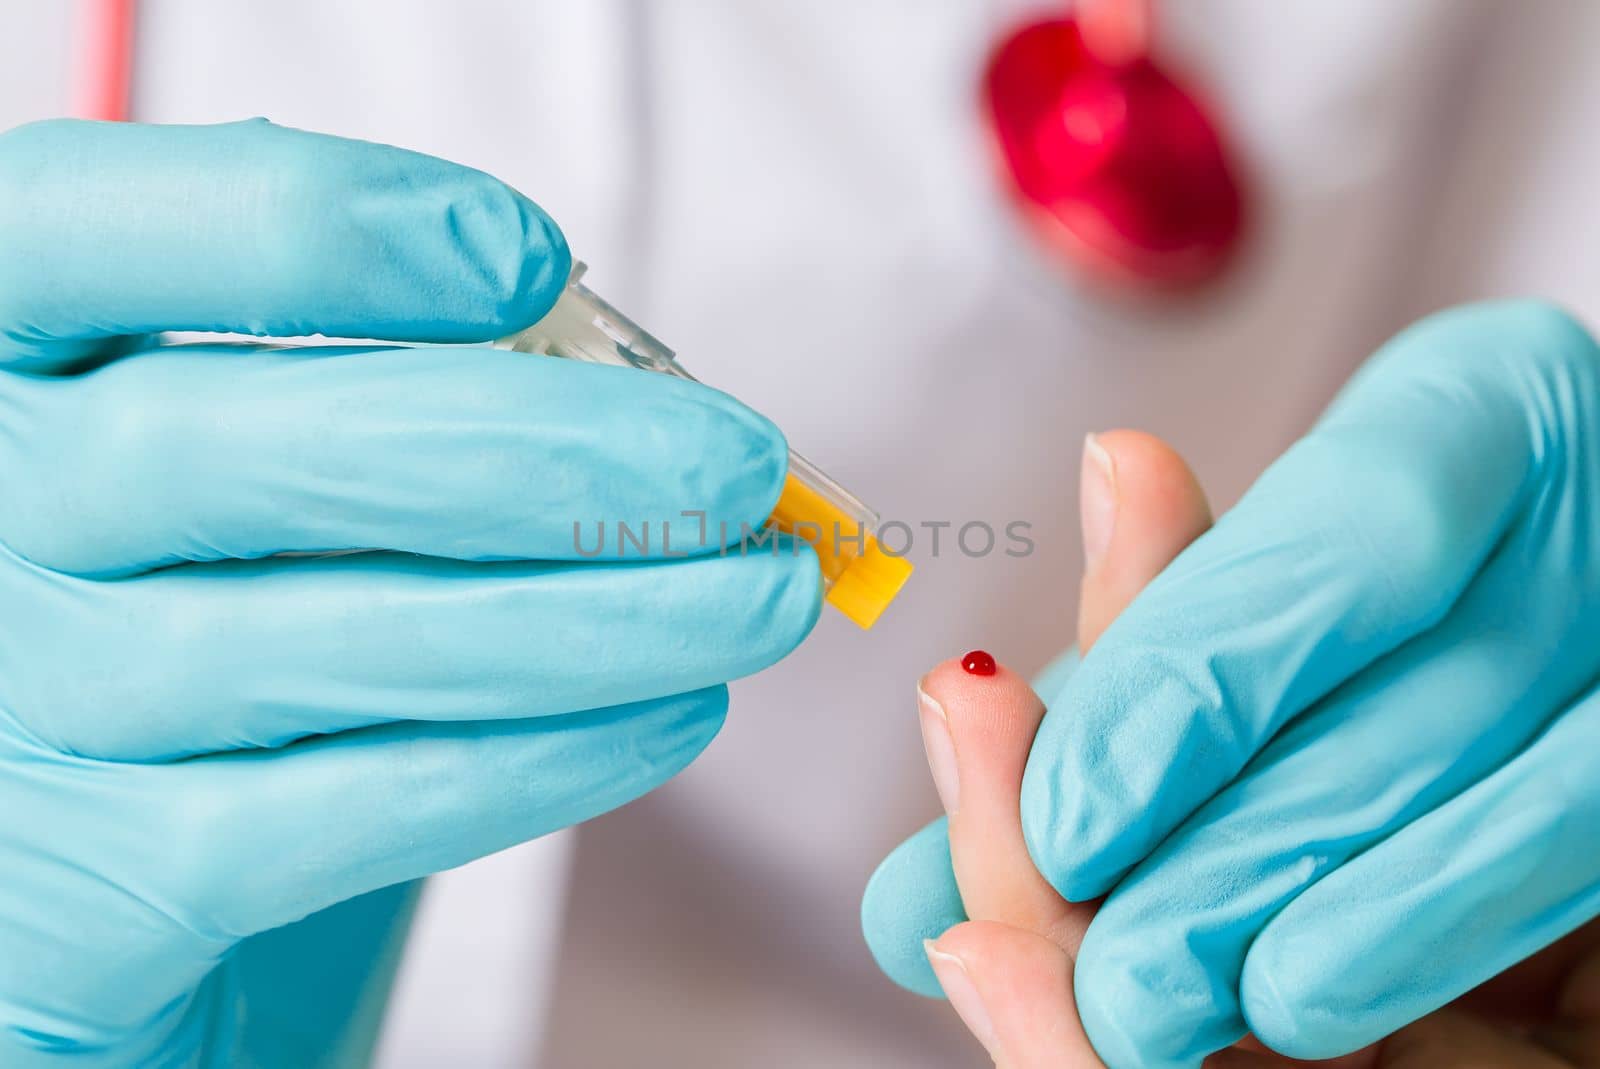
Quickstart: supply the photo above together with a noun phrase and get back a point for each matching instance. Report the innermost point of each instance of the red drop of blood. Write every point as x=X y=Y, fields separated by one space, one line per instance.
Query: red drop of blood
x=978 y=663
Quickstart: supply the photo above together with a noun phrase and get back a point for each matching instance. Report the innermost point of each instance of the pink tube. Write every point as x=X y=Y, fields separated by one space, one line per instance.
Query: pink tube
x=102 y=80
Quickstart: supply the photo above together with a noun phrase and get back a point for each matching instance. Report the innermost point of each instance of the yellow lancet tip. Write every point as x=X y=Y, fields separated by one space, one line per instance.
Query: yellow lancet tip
x=862 y=578
x=868 y=584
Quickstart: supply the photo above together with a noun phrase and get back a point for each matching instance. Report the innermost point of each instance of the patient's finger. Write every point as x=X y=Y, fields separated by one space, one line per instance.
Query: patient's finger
x=1141 y=506
x=1013 y=989
x=978 y=728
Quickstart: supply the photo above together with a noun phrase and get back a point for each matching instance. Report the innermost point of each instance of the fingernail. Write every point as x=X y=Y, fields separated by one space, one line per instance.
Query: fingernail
x=963 y=996
x=941 y=750
x=1097 y=501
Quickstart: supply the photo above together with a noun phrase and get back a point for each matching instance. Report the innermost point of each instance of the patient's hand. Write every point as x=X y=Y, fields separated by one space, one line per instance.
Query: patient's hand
x=1008 y=971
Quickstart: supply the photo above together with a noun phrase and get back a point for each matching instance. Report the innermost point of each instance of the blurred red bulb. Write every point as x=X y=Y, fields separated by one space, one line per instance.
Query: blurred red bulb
x=1117 y=166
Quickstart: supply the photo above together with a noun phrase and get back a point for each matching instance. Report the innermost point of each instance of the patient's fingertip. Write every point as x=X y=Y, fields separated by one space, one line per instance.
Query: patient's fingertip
x=974 y=673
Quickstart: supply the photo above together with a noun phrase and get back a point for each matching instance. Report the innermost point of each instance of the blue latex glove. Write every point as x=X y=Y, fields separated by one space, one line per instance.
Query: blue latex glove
x=192 y=753
x=1340 y=763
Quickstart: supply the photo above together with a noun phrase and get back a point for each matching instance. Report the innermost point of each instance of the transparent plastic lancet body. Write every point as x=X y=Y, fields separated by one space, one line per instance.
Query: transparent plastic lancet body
x=861 y=578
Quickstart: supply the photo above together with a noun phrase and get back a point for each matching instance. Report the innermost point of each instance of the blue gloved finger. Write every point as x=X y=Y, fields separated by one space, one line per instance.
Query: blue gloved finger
x=1441 y=906
x=1053 y=676
x=1361 y=537
x=250 y=841
x=188 y=454
x=320 y=986
x=255 y=654
x=1159 y=972
x=113 y=229
x=911 y=898
x=469 y=790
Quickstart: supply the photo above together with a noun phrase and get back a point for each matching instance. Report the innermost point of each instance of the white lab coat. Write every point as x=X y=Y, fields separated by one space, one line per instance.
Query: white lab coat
x=796 y=195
